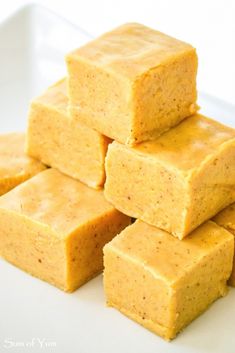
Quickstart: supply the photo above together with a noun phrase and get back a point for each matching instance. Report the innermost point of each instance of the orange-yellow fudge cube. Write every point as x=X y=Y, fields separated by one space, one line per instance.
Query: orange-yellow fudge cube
x=179 y=180
x=57 y=141
x=55 y=227
x=162 y=282
x=132 y=83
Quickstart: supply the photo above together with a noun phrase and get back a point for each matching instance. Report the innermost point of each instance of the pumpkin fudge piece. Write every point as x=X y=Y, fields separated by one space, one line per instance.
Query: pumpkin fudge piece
x=226 y=219
x=164 y=283
x=179 y=180
x=15 y=165
x=132 y=83
x=53 y=138
x=55 y=227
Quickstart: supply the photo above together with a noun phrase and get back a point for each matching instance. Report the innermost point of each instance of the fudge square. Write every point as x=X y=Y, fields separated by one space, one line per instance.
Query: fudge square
x=179 y=180
x=226 y=219
x=55 y=227
x=53 y=138
x=164 y=283
x=15 y=165
x=133 y=83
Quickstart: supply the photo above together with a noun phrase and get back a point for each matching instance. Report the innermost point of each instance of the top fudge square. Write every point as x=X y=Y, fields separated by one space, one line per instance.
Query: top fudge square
x=133 y=83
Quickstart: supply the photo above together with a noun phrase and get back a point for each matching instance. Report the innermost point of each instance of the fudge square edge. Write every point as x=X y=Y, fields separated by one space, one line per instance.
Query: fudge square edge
x=178 y=181
x=55 y=227
x=226 y=219
x=132 y=83
x=52 y=137
x=164 y=283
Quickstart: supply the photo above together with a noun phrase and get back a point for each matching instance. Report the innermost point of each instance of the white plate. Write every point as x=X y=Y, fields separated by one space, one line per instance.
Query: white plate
x=32 y=46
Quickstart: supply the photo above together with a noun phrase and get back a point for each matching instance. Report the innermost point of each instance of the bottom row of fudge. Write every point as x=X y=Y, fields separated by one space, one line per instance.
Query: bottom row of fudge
x=163 y=283
x=55 y=228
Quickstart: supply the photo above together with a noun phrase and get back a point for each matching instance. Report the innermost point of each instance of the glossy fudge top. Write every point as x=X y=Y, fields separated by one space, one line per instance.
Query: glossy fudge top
x=55 y=97
x=189 y=144
x=57 y=201
x=13 y=160
x=162 y=254
x=131 y=49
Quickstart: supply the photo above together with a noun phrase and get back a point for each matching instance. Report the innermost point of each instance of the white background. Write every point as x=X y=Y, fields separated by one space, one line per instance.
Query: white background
x=208 y=24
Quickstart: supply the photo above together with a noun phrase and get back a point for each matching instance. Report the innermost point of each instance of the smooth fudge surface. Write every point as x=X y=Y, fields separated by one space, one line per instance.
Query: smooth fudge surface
x=15 y=165
x=55 y=227
x=162 y=282
x=53 y=138
x=132 y=83
x=226 y=219
x=179 y=180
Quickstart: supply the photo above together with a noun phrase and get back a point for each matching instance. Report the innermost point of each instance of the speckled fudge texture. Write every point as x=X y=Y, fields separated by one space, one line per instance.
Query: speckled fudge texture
x=57 y=141
x=132 y=83
x=164 y=283
x=178 y=181
x=55 y=227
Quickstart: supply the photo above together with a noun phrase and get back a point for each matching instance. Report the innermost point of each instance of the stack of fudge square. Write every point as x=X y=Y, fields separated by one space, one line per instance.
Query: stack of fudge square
x=126 y=118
